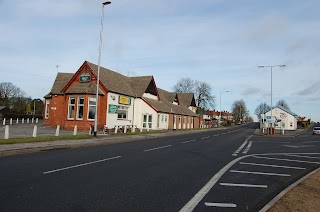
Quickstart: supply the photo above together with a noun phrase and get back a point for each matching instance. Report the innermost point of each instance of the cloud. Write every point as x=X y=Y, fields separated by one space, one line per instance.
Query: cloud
x=251 y=91
x=310 y=90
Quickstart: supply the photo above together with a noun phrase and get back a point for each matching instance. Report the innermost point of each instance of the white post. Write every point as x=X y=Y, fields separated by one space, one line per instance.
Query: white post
x=10 y=121
x=125 y=129
x=132 y=129
x=22 y=121
x=4 y=121
x=116 y=129
x=34 y=134
x=90 y=130
x=27 y=120
x=32 y=120
x=75 y=130
x=17 y=122
x=6 y=132
x=141 y=129
x=57 y=130
x=37 y=120
x=148 y=127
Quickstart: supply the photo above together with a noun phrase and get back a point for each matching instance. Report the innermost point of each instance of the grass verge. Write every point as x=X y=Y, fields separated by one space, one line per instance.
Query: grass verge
x=43 y=139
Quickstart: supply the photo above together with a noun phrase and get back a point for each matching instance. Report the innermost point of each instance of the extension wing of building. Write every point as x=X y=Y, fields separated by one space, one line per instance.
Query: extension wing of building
x=123 y=101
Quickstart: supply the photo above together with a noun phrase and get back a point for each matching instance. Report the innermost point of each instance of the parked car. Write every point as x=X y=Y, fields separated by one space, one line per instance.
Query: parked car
x=316 y=131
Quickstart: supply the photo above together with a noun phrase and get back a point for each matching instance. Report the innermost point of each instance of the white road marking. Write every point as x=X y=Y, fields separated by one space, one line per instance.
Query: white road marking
x=310 y=141
x=299 y=161
x=276 y=166
x=244 y=185
x=205 y=137
x=260 y=173
x=83 y=164
x=240 y=148
x=223 y=133
x=147 y=150
x=248 y=147
x=300 y=156
x=216 y=135
x=297 y=146
x=221 y=205
x=188 y=141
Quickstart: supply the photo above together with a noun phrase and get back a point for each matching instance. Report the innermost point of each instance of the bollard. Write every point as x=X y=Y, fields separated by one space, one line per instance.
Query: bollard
x=6 y=132
x=22 y=121
x=17 y=122
x=116 y=129
x=37 y=120
x=132 y=129
x=27 y=120
x=125 y=129
x=10 y=121
x=4 y=121
x=75 y=130
x=141 y=129
x=34 y=134
x=57 y=130
x=32 y=120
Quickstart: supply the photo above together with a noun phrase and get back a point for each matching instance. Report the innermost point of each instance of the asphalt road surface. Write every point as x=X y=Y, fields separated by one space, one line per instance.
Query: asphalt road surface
x=221 y=170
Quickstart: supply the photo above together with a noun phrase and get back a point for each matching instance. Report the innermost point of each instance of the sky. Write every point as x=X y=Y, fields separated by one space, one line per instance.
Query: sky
x=221 y=42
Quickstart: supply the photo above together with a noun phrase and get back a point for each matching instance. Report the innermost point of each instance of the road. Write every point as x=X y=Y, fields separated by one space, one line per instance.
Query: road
x=227 y=169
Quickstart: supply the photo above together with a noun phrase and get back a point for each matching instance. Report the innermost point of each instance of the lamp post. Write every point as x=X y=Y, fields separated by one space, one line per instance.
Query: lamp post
x=271 y=66
x=98 y=77
x=220 y=105
x=34 y=106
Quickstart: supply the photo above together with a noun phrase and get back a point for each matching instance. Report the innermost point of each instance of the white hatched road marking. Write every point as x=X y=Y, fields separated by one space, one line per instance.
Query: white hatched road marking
x=188 y=141
x=79 y=165
x=244 y=185
x=221 y=205
x=248 y=147
x=269 y=165
x=298 y=161
x=161 y=147
x=300 y=156
x=260 y=173
x=241 y=147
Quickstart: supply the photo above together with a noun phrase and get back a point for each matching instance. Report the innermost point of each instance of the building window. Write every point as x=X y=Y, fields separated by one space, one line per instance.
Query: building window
x=80 y=108
x=47 y=108
x=184 y=120
x=166 y=119
x=147 y=121
x=122 y=112
x=71 y=107
x=92 y=108
x=162 y=118
x=179 y=119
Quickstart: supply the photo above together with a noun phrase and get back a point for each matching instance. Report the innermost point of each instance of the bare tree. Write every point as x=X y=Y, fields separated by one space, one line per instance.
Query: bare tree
x=283 y=103
x=204 y=98
x=261 y=109
x=8 y=91
x=184 y=85
x=239 y=110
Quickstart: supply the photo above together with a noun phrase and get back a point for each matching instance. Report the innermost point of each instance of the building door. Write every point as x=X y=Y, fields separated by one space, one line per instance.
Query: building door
x=174 y=122
x=147 y=121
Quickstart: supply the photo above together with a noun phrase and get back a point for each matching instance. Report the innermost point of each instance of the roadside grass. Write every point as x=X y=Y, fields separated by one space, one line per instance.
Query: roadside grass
x=43 y=139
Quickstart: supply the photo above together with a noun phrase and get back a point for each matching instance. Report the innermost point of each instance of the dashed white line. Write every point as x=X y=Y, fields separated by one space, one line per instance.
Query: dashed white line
x=161 y=147
x=244 y=185
x=221 y=205
x=298 y=161
x=297 y=146
x=216 y=135
x=79 y=165
x=260 y=173
x=300 y=156
x=248 y=147
x=205 y=137
x=270 y=165
x=310 y=141
x=188 y=141
x=223 y=133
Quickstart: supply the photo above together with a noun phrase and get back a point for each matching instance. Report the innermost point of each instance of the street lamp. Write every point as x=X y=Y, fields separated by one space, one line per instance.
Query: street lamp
x=34 y=106
x=272 y=66
x=98 y=77
x=220 y=105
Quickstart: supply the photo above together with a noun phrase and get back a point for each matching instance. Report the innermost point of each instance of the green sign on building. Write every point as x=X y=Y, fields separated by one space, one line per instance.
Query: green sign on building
x=113 y=109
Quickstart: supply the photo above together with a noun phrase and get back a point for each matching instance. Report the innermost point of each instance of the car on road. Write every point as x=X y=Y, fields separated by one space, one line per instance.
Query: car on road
x=316 y=131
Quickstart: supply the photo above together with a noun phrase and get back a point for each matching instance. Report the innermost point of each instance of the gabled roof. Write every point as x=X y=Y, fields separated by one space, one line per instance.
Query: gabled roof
x=187 y=99
x=61 y=80
x=286 y=110
x=85 y=88
x=140 y=84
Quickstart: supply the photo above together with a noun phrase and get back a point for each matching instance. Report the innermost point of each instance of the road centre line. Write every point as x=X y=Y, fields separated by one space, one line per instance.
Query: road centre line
x=216 y=135
x=300 y=156
x=299 y=161
x=147 y=150
x=310 y=141
x=260 y=173
x=205 y=137
x=244 y=185
x=79 y=165
x=223 y=133
x=269 y=165
x=188 y=141
x=297 y=146
x=241 y=147
x=248 y=147
x=221 y=205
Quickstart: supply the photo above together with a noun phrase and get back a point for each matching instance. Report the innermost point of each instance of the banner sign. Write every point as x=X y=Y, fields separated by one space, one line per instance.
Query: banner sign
x=124 y=100
x=113 y=109
x=85 y=77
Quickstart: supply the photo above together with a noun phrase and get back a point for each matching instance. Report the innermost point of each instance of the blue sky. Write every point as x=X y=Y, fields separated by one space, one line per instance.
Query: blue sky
x=217 y=41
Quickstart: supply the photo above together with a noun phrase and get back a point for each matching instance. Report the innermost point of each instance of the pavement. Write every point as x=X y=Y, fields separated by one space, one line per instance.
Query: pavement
x=285 y=201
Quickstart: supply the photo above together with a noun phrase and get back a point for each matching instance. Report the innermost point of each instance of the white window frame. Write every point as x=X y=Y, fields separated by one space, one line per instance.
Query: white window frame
x=123 y=108
x=78 y=107
x=47 y=108
x=148 y=122
x=166 y=119
x=92 y=106
x=71 y=116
